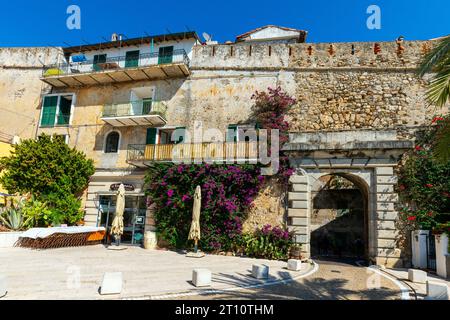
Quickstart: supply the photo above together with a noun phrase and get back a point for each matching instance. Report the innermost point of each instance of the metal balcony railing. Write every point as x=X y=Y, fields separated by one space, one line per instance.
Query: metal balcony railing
x=116 y=63
x=212 y=151
x=135 y=108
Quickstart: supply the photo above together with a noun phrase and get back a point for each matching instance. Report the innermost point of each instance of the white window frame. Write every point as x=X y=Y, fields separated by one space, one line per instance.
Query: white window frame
x=59 y=95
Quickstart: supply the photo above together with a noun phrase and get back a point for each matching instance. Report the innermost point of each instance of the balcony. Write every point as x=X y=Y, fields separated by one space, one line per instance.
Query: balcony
x=136 y=113
x=147 y=66
x=142 y=155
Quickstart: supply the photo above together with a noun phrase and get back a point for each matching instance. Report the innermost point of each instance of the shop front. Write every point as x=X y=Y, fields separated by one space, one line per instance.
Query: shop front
x=134 y=217
x=101 y=204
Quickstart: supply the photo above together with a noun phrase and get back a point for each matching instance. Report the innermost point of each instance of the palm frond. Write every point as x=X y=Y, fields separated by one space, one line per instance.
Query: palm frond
x=435 y=57
x=438 y=92
x=441 y=149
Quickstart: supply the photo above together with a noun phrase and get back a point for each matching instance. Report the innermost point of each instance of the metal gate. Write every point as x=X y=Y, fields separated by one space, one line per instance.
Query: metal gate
x=431 y=252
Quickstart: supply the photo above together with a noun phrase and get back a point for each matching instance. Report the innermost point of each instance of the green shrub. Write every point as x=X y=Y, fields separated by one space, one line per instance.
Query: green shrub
x=424 y=184
x=53 y=173
x=268 y=243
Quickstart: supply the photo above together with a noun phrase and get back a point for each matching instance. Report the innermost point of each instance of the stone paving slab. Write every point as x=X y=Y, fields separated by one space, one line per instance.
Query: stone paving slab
x=335 y=280
x=54 y=274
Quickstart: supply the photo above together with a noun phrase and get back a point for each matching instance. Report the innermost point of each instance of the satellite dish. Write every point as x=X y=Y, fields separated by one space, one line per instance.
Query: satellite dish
x=207 y=37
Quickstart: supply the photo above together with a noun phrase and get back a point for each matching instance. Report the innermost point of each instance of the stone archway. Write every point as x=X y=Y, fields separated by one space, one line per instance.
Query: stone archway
x=376 y=184
x=339 y=216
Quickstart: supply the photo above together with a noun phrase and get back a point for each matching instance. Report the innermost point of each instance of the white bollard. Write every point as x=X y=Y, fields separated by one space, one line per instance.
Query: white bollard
x=112 y=283
x=3 y=286
x=201 y=277
x=294 y=265
x=417 y=276
x=260 y=271
x=437 y=291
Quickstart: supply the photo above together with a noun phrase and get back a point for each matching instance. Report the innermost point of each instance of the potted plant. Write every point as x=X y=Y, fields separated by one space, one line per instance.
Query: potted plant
x=296 y=251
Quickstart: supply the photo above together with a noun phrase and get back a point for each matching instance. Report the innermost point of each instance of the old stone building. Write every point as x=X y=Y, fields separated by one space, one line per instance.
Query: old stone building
x=358 y=106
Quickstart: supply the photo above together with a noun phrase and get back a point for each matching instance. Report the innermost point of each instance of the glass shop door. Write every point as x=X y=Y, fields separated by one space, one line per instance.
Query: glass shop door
x=133 y=220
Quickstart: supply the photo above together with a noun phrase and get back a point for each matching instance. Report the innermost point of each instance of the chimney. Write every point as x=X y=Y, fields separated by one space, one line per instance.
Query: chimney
x=114 y=37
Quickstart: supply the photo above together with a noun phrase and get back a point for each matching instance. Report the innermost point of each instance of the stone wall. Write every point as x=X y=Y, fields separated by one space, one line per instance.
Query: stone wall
x=268 y=207
x=21 y=88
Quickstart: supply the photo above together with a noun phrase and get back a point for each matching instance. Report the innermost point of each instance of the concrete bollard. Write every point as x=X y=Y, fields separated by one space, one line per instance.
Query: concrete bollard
x=294 y=265
x=417 y=276
x=437 y=291
x=201 y=277
x=3 y=286
x=112 y=283
x=260 y=271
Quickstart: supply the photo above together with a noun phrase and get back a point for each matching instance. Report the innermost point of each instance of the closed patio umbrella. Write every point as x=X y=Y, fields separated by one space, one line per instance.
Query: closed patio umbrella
x=117 y=224
x=194 y=233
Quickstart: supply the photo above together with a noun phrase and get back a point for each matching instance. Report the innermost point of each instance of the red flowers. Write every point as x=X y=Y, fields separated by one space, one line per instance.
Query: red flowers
x=446 y=194
x=402 y=187
x=436 y=119
x=430 y=214
x=418 y=148
x=429 y=185
x=412 y=218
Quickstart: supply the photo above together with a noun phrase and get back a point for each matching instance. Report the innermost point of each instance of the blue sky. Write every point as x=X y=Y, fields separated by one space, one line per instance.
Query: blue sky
x=43 y=23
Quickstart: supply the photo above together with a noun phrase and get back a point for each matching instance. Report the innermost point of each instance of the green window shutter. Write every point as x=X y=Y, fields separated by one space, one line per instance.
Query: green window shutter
x=49 y=111
x=64 y=111
x=146 y=106
x=132 y=59
x=183 y=135
x=151 y=136
x=98 y=58
x=232 y=133
x=165 y=55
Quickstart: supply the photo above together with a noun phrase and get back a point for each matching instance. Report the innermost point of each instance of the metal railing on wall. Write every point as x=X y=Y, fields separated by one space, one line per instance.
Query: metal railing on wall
x=116 y=63
x=135 y=108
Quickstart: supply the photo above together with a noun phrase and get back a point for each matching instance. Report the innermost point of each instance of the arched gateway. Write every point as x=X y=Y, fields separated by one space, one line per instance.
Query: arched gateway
x=367 y=161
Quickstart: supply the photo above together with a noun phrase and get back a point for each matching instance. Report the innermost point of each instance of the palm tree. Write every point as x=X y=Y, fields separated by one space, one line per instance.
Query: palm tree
x=437 y=61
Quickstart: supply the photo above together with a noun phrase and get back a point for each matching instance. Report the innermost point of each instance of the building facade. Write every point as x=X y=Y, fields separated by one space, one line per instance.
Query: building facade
x=358 y=107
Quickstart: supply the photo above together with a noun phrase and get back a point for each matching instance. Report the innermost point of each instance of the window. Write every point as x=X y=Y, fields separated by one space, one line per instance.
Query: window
x=112 y=142
x=165 y=136
x=151 y=136
x=56 y=110
x=132 y=59
x=165 y=55
x=98 y=58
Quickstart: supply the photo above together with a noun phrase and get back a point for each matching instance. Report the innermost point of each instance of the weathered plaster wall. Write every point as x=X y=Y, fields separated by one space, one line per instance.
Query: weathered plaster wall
x=21 y=88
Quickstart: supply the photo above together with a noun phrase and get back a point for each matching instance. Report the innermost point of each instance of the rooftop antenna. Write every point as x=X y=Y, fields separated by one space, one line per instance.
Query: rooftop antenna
x=207 y=36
